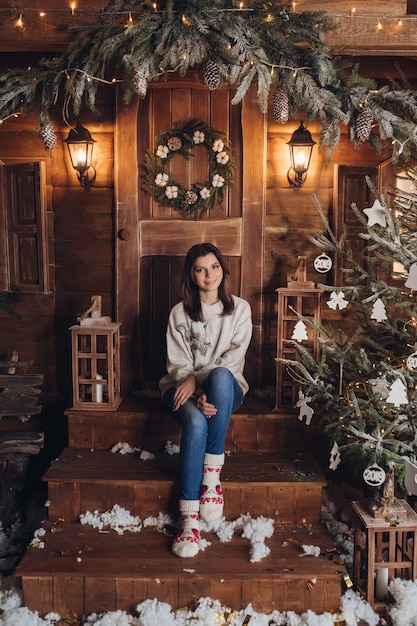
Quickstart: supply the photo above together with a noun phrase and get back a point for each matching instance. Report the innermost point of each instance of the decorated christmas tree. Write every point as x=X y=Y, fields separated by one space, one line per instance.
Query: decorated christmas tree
x=363 y=386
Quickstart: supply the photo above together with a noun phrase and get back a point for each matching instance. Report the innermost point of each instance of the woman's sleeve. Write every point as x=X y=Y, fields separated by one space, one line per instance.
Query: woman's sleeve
x=234 y=357
x=179 y=360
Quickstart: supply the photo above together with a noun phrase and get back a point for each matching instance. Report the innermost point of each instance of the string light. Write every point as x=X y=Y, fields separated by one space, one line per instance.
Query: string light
x=379 y=25
x=352 y=11
x=72 y=8
x=19 y=22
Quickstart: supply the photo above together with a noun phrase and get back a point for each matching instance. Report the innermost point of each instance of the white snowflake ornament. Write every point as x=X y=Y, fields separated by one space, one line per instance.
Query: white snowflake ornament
x=378 y=311
x=376 y=214
x=337 y=299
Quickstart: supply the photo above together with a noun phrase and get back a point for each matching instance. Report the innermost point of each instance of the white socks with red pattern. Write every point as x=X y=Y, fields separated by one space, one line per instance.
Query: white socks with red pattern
x=211 y=494
x=187 y=542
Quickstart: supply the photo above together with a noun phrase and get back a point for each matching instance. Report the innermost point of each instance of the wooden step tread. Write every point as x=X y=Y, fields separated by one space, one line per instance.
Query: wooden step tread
x=103 y=466
x=80 y=566
x=287 y=487
x=146 y=422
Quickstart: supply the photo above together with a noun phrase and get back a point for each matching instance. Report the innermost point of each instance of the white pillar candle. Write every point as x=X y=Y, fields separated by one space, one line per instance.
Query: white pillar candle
x=381 y=583
x=99 y=389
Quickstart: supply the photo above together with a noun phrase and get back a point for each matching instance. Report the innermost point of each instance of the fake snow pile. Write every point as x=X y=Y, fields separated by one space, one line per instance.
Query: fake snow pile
x=208 y=612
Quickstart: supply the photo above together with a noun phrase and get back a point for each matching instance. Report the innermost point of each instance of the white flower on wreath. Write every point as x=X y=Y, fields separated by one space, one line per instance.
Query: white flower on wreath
x=171 y=192
x=161 y=179
x=198 y=136
x=222 y=157
x=205 y=193
x=217 y=181
x=218 y=145
x=162 y=151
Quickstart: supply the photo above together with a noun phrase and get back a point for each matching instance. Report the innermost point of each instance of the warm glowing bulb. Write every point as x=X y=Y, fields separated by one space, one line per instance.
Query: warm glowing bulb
x=300 y=158
x=400 y=22
x=154 y=6
x=19 y=22
x=294 y=4
x=42 y=14
x=72 y=7
x=379 y=25
x=353 y=11
x=81 y=157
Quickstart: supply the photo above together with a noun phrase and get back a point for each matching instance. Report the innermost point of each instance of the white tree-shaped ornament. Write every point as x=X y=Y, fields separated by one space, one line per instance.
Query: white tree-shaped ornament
x=335 y=458
x=376 y=214
x=379 y=312
x=300 y=331
x=397 y=393
x=337 y=299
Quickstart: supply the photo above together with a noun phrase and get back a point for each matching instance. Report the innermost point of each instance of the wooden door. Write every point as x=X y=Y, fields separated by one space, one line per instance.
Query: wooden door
x=152 y=240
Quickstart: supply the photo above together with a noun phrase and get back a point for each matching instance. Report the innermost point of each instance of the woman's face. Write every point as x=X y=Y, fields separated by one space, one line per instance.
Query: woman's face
x=207 y=275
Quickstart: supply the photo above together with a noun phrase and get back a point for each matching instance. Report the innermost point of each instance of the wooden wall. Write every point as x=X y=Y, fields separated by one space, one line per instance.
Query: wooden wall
x=82 y=235
x=80 y=249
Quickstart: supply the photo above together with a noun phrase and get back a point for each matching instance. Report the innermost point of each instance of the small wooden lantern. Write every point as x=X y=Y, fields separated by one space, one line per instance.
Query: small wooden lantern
x=384 y=549
x=301 y=298
x=96 y=361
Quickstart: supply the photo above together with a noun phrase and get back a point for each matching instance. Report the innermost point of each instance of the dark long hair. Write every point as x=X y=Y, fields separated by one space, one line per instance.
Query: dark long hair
x=190 y=292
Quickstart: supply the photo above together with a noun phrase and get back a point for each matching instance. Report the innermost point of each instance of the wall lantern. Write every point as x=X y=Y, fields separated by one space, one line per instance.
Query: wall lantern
x=80 y=147
x=301 y=146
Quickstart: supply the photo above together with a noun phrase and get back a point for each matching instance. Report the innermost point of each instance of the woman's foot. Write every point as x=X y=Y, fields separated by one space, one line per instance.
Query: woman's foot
x=187 y=541
x=211 y=494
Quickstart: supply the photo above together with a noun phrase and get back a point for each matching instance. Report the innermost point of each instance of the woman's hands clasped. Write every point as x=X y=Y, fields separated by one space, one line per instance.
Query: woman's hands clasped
x=185 y=389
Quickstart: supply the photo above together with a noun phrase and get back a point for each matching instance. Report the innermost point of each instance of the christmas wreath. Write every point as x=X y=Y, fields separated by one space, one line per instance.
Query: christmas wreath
x=182 y=140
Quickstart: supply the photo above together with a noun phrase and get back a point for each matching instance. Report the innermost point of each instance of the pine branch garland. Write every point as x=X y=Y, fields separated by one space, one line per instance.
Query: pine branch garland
x=269 y=44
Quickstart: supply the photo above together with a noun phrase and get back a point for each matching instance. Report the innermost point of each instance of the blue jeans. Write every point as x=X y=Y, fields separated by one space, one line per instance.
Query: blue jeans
x=201 y=434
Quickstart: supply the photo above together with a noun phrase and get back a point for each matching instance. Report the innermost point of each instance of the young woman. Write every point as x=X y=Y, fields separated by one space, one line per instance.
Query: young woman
x=207 y=337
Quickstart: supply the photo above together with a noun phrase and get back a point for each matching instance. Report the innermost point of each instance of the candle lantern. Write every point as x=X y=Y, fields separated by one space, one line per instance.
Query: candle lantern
x=385 y=548
x=299 y=300
x=96 y=361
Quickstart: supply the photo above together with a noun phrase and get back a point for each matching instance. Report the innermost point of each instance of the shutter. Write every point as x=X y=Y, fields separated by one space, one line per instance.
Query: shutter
x=351 y=188
x=27 y=227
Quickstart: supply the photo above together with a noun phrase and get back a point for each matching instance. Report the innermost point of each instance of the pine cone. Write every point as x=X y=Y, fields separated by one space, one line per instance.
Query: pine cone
x=48 y=134
x=188 y=199
x=140 y=84
x=363 y=124
x=280 y=106
x=211 y=72
x=174 y=143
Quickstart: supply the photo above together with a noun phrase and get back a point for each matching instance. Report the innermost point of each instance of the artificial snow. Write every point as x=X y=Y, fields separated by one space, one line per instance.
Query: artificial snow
x=172 y=448
x=309 y=550
x=124 y=448
x=118 y=519
x=404 y=611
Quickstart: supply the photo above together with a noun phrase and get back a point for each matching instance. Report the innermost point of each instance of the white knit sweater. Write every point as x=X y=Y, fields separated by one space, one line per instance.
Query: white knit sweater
x=198 y=347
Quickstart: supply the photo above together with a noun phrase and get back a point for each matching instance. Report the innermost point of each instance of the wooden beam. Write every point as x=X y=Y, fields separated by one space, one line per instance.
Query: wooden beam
x=356 y=31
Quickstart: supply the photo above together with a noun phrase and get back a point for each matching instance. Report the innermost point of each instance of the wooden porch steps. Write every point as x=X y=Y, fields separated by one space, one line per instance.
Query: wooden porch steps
x=82 y=570
x=145 y=422
x=268 y=472
x=284 y=486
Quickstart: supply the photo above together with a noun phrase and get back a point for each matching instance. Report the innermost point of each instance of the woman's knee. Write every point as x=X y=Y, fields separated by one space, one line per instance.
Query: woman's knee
x=220 y=374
